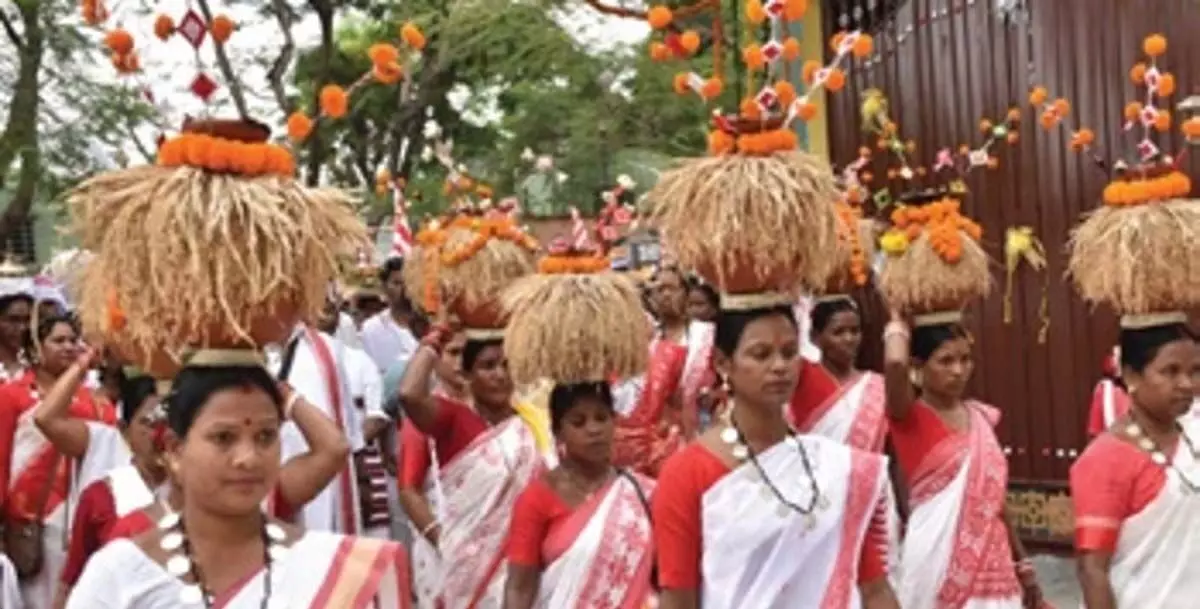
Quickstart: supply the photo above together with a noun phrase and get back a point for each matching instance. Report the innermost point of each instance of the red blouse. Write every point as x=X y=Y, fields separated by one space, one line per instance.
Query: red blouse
x=17 y=397
x=1111 y=481
x=455 y=428
x=813 y=388
x=537 y=510
x=678 y=528
x=95 y=518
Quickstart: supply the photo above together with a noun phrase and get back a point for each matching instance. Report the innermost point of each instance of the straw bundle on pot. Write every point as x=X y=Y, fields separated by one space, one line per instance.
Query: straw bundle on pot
x=922 y=281
x=1139 y=258
x=476 y=266
x=575 y=328
x=186 y=256
x=749 y=223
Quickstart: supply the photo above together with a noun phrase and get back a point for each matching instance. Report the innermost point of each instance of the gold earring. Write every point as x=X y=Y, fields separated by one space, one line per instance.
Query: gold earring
x=916 y=377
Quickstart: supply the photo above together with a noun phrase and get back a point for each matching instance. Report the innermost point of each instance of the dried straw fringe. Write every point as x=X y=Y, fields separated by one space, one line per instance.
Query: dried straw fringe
x=183 y=250
x=920 y=281
x=575 y=328
x=413 y=274
x=1139 y=259
x=775 y=212
x=483 y=277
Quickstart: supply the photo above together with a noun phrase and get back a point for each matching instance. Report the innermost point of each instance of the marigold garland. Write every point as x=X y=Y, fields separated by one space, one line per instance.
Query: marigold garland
x=225 y=156
x=496 y=227
x=940 y=220
x=582 y=264
x=849 y=217
x=1123 y=192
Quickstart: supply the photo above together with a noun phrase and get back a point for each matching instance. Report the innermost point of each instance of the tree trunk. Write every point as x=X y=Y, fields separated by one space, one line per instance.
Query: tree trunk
x=316 y=148
x=20 y=137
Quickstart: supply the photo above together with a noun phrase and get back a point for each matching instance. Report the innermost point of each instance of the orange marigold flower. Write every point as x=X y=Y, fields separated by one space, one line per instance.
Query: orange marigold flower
x=1133 y=110
x=299 y=126
x=753 y=57
x=1162 y=121
x=659 y=51
x=389 y=74
x=786 y=92
x=836 y=80
x=1191 y=128
x=712 y=88
x=835 y=41
x=1155 y=45
x=690 y=41
x=794 y=10
x=1038 y=96
x=119 y=41
x=791 y=49
x=412 y=36
x=809 y=70
x=334 y=101
x=163 y=27
x=1138 y=73
x=382 y=54
x=750 y=109
x=221 y=28
x=659 y=17
x=1062 y=106
x=754 y=12
x=807 y=111
x=682 y=83
x=1166 y=85
x=864 y=45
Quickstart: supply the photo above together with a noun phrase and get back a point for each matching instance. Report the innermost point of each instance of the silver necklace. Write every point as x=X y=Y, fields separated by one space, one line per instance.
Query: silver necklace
x=1160 y=458
x=740 y=449
x=180 y=563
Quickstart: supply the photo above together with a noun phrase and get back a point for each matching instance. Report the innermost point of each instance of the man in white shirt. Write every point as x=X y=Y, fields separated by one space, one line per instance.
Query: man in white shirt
x=314 y=364
x=388 y=336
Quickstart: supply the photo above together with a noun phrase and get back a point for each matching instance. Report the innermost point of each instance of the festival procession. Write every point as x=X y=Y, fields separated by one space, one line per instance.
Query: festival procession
x=852 y=346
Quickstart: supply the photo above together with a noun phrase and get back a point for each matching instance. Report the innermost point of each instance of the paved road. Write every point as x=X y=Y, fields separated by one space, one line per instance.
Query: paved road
x=1057 y=577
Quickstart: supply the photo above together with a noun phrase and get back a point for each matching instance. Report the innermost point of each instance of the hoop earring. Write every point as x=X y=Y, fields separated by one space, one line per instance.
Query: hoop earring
x=725 y=388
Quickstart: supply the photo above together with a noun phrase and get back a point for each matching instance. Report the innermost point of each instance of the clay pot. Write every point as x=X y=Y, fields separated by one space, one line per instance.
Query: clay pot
x=745 y=126
x=487 y=315
x=273 y=323
x=238 y=130
x=159 y=364
x=736 y=275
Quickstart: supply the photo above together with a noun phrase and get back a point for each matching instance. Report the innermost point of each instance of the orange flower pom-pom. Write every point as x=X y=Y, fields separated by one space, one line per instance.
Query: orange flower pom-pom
x=388 y=74
x=809 y=71
x=659 y=51
x=682 y=83
x=836 y=80
x=794 y=10
x=163 y=27
x=299 y=126
x=807 y=111
x=412 y=36
x=712 y=88
x=1133 y=110
x=119 y=41
x=720 y=143
x=754 y=12
x=1138 y=74
x=690 y=41
x=334 y=101
x=1191 y=128
x=786 y=93
x=791 y=49
x=864 y=46
x=1062 y=107
x=753 y=57
x=1162 y=122
x=1038 y=96
x=659 y=17
x=221 y=28
x=835 y=41
x=1155 y=45
x=1166 y=85
x=750 y=109
x=382 y=54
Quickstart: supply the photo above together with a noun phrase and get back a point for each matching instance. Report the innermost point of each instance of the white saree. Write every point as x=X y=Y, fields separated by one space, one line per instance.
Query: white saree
x=480 y=487
x=761 y=554
x=1158 y=549
x=319 y=571
x=602 y=554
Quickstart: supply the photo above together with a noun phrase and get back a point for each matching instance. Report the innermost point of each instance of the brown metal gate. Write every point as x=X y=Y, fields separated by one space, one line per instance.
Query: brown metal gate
x=946 y=64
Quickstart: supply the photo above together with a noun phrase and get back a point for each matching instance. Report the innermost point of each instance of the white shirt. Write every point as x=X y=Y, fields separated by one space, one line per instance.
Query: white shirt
x=365 y=382
x=386 y=341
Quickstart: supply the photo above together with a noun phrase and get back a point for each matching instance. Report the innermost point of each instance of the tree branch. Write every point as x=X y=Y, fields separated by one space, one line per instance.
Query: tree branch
x=283 y=15
x=11 y=30
x=231 y=80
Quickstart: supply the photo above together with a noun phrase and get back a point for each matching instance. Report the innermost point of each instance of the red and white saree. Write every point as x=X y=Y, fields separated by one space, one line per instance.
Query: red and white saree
x=479 y=488
x=956 y=552
x=1145 y=516
x=657 y=411
x=600 y=554
x=319 y=571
